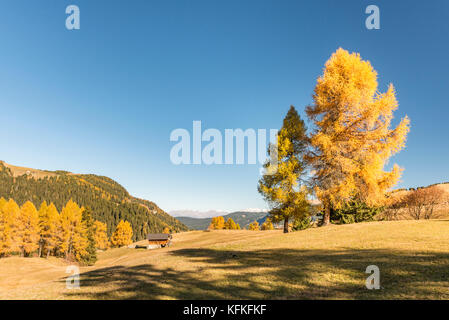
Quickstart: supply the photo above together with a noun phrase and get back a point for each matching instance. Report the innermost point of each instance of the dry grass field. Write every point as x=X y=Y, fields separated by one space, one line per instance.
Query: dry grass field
x=319 y=263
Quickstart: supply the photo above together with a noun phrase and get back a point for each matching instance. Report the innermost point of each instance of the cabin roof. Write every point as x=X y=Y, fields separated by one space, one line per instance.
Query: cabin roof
x=158 y=236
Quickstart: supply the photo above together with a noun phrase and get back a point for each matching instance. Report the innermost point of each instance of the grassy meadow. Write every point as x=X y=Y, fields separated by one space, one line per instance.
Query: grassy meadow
x=318 y=263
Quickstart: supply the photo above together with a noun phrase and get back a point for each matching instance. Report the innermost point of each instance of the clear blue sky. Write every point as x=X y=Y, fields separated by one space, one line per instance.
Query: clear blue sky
x=105 y=98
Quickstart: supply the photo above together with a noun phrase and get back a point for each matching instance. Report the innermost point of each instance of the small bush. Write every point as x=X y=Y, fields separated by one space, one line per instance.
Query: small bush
x=355 y=211
x=302 y=224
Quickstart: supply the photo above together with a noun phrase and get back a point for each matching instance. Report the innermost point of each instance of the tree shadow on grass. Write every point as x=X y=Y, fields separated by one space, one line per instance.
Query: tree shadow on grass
x=275 y=274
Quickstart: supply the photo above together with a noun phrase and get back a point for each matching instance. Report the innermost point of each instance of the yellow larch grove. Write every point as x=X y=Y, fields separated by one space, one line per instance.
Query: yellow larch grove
x=353 y=141
x=217 y=223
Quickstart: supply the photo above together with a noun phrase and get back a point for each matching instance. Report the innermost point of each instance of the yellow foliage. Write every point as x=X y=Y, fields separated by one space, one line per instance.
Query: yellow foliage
x=267 y=225
x=353 y=140
x=217 y=223
x=230 y=225
x=254 y=226
x=74 y=232
x=100 y=236
x=28 y=229
x=122 y=235
x=282 y=185
x=50 y=227
x=9 y=214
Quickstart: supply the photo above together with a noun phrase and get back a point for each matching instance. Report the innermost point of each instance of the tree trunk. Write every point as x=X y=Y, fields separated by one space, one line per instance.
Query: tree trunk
x=286 y=225
x=327 y=216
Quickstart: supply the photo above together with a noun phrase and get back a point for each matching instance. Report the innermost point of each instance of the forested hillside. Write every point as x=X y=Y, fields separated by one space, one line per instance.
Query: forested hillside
x=108 y=200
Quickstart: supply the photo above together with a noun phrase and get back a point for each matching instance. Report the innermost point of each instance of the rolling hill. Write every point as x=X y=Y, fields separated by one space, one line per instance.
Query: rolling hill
x=240 y=217
x=108 y=200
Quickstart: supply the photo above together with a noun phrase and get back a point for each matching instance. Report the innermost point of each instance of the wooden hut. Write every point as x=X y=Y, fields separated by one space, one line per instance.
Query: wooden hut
x=159 y=239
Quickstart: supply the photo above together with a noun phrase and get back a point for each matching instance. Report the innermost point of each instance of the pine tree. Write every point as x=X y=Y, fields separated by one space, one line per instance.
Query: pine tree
x=122 y=235
x=28 y=229
x=284 y=187
x=101 y=237
x=8 y=228
x=91 y=251
x=353 y=140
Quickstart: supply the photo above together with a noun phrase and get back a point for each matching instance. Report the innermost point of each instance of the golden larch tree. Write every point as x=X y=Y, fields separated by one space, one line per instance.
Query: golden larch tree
x=122 y=235
x=254 y=226
x=352 y=140
x=230 y=224
x=74 y=232
x=9 y=215
x=267 y=225
x=166 y=230
x=28 y=229
x=50 y=228
x=217 y=223
x=101 y=236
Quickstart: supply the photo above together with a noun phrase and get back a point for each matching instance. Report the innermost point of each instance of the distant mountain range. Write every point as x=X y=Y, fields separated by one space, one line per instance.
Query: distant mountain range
x=243 y=218
x=197 y=213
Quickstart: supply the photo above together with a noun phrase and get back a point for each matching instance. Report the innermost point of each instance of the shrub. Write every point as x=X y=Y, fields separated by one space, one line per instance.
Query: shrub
x=355 y=211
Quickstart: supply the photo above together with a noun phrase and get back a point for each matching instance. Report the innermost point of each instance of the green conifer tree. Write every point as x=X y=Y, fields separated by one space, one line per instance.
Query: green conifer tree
x=91 y=257
x=284 y=187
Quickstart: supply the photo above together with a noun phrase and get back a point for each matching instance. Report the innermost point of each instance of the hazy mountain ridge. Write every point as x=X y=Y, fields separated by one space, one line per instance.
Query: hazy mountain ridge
x=109 y=201
x=240 y=217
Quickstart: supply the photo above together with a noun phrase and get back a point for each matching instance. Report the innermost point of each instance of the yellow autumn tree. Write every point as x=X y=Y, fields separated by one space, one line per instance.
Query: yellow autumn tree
x=230 y=224
x=100 y=236
x=267 y=225
x=166 y=230
x=74 y=232
x=9 y=214
x=122 y=235
x=353 y=140
x=217 y=223
x=28 y=229
x=254 y=226
x=50 y=228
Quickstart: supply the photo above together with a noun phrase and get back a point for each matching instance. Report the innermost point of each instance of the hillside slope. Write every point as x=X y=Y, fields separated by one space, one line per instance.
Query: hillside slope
x=317 y=263
x=241 y=217
x=107 y=199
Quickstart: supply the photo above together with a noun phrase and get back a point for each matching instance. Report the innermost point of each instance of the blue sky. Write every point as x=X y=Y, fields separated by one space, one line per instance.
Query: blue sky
x=104 y=99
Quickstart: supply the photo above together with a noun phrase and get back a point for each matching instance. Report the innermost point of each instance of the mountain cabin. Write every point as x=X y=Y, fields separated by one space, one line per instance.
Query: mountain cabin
x=159 y=239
